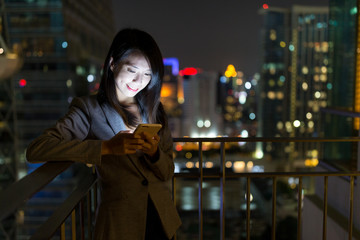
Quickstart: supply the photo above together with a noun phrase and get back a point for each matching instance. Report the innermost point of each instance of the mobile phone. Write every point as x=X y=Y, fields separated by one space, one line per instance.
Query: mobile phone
x=152 y=128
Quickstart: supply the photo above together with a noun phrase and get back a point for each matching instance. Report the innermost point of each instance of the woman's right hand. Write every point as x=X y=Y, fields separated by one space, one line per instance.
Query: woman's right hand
x=121 y=144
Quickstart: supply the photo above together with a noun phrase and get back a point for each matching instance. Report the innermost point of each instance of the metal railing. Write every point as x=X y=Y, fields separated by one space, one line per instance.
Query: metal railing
x=13 y=197
x=222 y=175
x=19 y=192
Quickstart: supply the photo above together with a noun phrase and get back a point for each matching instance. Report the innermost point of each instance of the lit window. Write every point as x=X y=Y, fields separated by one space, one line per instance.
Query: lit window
x=272 y=34
x=305 y=70
x=296 y=123
x=305 y=86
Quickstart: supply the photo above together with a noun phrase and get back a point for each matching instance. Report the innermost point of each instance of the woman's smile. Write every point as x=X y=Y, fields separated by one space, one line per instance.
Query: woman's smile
x=132 y=89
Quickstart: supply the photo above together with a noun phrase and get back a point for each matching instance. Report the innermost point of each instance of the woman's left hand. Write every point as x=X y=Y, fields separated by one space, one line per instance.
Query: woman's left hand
x=150 y=146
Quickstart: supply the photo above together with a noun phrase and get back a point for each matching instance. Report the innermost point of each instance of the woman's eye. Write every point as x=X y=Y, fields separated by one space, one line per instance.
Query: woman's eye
x=148 y=74
x=130 y=70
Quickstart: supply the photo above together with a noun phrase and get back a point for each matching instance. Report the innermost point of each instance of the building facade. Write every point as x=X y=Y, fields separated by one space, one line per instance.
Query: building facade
x=200 y=116
x=63 y=45
x=294 y=81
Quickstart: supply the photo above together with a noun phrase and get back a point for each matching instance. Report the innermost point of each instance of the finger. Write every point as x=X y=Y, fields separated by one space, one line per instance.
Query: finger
x=149 y=149
x=133 y=146
x=149 y=136
x=130 y=151
x=146 y=145
x=157 y=138
x=135 y=141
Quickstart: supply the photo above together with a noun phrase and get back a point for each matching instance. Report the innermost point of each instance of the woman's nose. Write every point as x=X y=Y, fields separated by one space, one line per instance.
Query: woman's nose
x=137 y=78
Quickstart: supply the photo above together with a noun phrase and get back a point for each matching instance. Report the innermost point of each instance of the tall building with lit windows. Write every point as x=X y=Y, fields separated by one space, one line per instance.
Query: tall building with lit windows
x=340 y=120
x=238 y=100
x=309 y=87
x=274 y=84
x=295 y=82
x=63 y=44
x=345 y=82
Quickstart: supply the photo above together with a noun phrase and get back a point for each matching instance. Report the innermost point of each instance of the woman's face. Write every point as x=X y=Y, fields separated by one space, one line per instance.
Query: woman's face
x=134 y=76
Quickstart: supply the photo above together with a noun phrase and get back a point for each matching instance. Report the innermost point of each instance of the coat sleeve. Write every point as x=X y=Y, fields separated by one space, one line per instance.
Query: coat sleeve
x=163 y=166
x=66 y=141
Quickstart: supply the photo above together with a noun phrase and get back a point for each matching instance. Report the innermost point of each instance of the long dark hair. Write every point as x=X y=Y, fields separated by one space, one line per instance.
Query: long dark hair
x=126 y=42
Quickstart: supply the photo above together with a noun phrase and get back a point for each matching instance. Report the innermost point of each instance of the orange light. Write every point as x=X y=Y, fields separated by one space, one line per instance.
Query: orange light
x=165 y=91
x=230 y=71
x=178 y=147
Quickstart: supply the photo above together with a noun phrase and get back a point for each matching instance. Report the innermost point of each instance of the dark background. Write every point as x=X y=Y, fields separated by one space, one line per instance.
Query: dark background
x=207 y=34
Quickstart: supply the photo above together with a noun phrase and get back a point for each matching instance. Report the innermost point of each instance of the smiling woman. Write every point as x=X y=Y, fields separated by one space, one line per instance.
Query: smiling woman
x=133 y=169
x=134 y=76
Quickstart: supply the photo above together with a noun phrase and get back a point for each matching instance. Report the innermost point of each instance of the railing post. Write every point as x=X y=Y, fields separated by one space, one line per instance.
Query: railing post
x=200 y=192
x=222 y=191
x=273 y=230
x=62 y=231
x=299 y=208
x=351 y=214
x=88 y=197
x=82 y=223
x=325 y=206
x=174 y=195
x=248 y=194
x=73 y=225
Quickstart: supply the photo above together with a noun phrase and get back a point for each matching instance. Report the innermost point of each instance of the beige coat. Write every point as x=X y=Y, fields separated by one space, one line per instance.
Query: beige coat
x=126 y=181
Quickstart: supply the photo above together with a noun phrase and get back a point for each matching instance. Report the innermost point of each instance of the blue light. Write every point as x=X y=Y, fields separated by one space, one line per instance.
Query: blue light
x=64 y=45
x=174 y=62
x=291 y=47
x=353 y=11
x=252 y=116
x=223 y=79
x=282 y=78
x=333 y=22
x=329 y=86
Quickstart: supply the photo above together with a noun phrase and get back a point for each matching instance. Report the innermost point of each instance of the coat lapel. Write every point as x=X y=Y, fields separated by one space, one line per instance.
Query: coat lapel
x=113 y=118
x=117 y=124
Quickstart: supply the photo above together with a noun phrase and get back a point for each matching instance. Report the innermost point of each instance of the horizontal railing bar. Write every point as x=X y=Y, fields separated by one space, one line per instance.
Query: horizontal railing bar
x=268 y=174
x=47 y=229
x=263 y=139
x=340 y=112
x=18 y=192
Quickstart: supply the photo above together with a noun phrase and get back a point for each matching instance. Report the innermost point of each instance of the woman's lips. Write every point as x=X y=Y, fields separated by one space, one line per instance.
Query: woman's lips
x=132 y=89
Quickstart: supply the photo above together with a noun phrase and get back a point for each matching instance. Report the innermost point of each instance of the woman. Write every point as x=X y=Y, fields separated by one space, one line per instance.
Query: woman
x=133 y=170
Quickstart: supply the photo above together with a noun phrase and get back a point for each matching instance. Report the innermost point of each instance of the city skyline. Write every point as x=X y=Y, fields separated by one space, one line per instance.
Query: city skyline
x=205 y=36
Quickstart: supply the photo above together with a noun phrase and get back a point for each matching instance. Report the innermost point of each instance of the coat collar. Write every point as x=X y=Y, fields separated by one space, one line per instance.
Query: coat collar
x=114 y=119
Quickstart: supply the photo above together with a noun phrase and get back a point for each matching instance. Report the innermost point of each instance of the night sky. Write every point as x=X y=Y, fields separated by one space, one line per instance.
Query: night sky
x=205 y=34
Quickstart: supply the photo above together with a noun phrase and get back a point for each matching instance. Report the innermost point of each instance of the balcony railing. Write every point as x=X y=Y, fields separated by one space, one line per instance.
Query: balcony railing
x=85 y=193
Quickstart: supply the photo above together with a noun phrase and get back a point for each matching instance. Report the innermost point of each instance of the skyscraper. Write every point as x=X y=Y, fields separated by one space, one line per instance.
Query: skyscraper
x=294 y=84
x=274 y=84
x=309 y=87
x=63 y=44
x=344 y=81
